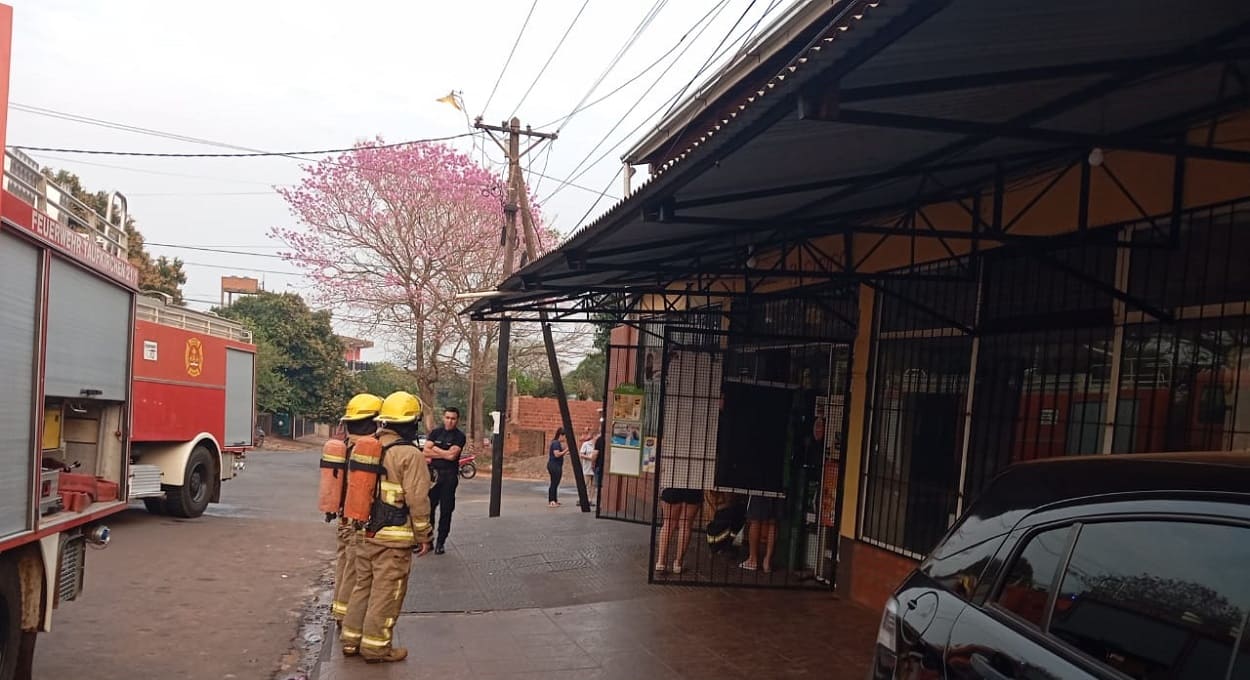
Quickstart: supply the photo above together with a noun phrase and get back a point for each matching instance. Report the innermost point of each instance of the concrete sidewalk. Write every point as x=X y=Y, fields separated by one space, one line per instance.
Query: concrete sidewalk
x=555 y=593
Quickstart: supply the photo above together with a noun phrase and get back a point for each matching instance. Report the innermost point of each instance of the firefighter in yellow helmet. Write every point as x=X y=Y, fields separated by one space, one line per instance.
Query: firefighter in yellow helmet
x=399 y=520
x=358 y=420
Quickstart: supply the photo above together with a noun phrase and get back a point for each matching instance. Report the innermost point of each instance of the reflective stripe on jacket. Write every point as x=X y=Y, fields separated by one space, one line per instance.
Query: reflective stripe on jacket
x=407 y=481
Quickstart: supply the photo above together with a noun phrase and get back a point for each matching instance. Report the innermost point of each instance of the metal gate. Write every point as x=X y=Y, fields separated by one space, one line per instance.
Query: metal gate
x=749 y=446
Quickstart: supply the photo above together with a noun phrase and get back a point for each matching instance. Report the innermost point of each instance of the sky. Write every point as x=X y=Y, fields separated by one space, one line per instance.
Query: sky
x=281 y=75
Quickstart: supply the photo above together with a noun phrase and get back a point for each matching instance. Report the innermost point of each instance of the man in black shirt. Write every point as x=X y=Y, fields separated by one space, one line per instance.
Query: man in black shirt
x=442 y=449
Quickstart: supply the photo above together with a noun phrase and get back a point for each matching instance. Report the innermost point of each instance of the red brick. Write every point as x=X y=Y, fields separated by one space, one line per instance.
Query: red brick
x=875 y=573
x=542 y=415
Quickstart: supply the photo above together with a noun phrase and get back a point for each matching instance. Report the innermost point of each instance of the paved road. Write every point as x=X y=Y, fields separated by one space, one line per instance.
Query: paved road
x=219 y=596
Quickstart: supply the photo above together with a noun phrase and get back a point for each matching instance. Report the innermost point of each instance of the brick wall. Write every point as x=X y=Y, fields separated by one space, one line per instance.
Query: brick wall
x=536 y=415
x=873 y=574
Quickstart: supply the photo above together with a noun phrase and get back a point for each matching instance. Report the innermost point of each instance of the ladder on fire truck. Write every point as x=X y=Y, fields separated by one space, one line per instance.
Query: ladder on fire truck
x=25 y=179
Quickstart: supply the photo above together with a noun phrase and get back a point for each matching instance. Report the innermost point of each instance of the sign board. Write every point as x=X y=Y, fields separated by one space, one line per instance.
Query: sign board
x=625 y=452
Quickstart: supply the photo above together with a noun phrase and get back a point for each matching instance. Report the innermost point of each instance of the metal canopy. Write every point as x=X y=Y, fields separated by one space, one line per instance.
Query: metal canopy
x=895 y=104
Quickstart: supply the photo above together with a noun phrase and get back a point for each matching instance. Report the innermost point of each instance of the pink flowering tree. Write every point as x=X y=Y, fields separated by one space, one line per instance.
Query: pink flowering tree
x=389 y=236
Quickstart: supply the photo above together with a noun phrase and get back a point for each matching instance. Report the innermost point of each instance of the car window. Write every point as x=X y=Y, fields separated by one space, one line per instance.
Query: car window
x=1157 y=599
x=1026 y=588
x=960 y=573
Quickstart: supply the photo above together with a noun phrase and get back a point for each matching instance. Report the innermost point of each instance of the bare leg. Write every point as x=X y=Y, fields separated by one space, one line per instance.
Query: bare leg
x=753 y=544
x=770 y=542
x=669 y=511
x=688 y=513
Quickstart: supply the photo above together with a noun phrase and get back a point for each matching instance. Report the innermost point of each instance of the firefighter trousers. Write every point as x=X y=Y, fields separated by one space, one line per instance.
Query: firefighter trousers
x=344 y=570
x=381 y=584
x=443 y=501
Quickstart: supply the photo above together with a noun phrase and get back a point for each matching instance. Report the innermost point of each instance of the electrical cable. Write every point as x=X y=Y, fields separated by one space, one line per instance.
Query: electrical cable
x=212 y=249
x=258 y=154
x=702 y=27
x=161 y=173
x=671 y=101
x=237 y=268
x=711 y=57
x=551 y=56
x=641 y=28
x=511 y=53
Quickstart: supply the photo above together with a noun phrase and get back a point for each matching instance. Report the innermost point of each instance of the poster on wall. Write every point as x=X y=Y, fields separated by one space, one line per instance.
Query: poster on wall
x=625 y=454
x=648 y=455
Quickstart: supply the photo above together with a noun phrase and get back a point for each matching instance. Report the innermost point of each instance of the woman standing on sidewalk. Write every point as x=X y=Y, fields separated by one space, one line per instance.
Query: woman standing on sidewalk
x=587 y=454
x=555 y=466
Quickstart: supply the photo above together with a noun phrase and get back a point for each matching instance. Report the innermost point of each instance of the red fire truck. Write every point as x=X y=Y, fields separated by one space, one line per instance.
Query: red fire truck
x=194 y=400
x=66 y=321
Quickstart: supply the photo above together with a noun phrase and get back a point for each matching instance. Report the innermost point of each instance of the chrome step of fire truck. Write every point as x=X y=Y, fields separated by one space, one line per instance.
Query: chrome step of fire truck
x=145 y=481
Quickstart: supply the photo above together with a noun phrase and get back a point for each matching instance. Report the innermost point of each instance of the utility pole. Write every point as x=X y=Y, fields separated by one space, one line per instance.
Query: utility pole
x=518 y=201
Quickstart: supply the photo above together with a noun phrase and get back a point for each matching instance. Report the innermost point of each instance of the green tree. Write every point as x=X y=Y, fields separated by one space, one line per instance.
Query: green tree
x=587 y=379
x=273 y=390
x=161 y=274
x=383 y=378
x=304 y=357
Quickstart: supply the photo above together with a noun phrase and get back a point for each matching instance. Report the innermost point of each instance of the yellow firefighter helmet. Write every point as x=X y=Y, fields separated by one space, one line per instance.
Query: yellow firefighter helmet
x=362 y=407
x=399 y=407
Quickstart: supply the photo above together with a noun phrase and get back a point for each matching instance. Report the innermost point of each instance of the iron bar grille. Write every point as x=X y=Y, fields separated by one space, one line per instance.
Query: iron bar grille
x=1131 y=340
x=739 y=433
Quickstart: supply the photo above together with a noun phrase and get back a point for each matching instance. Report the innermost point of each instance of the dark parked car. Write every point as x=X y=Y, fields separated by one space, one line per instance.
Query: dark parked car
x=1101 y=567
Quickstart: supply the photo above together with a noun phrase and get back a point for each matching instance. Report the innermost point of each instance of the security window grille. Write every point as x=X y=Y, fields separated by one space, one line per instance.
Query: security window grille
x=1129 y=340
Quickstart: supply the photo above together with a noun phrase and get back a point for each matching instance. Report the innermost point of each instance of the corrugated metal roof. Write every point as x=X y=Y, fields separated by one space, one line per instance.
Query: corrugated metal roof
x=766 y=145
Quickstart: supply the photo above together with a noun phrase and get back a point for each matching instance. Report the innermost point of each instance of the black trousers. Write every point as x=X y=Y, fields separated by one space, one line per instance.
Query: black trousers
x=443 y=501
x=556 y=472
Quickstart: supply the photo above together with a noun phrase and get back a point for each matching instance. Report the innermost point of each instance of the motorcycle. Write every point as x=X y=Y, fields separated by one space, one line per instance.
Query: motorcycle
x=468 y=469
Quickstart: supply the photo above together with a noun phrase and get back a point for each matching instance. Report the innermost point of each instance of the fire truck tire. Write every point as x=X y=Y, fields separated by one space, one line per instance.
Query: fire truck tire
x=10 y=618
x=198 y=484
x=155 y=506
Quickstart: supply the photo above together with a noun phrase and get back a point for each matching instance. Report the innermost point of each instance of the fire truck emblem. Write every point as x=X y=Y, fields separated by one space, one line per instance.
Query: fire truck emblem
x=195 y=357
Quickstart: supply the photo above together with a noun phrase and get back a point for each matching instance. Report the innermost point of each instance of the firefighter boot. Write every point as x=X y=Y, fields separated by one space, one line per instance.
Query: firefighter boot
x=392 y=655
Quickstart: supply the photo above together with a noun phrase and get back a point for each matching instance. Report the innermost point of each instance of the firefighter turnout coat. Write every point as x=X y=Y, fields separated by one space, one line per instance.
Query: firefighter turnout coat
x=384 y=556
x=407 y=482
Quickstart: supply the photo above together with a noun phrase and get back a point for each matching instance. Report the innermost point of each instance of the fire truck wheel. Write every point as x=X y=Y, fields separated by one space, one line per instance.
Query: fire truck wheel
x=10 y=618
x=191 y=499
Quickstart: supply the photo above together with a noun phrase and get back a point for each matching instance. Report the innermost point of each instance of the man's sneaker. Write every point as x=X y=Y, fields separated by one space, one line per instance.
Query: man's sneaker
x=439 y=549
x=395 y=654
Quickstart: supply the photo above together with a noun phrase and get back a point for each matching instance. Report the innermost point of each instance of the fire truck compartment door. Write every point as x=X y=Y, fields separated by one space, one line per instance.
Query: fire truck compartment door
x=19 y=309
x=239 y=397
x=88 y=335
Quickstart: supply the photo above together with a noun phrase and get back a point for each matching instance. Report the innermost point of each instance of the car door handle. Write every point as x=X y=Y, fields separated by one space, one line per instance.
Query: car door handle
x=981 y=666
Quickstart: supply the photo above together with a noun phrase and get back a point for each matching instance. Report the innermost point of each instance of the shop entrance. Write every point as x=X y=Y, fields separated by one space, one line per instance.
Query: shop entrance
x=748 y=453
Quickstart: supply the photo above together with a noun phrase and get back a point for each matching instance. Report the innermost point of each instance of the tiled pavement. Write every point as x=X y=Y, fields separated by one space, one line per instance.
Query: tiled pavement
x=555 y=594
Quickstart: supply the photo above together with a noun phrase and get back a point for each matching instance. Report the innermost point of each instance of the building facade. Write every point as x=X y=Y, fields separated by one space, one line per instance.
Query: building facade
x=918 y=242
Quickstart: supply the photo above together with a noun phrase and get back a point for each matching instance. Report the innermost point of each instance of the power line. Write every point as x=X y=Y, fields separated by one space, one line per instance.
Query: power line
x=645 y=70
x=211 y=249
x=511 y=53
x=169 y=194
x=641 y=28
x=79 y=118
x=240 y=269
x=713 y=55
x=702 y=25
x=551 y=56
x=594 y=205
x=257 y=154
x=672 y=100
x=63 y=159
